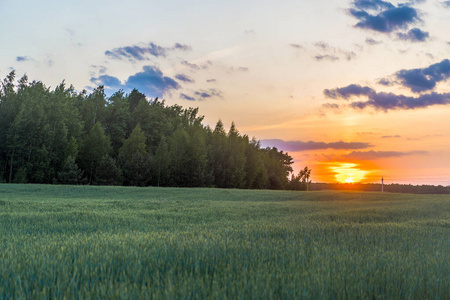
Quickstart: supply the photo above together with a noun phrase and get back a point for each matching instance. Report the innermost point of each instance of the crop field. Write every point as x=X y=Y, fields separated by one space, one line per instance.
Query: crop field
x=122 y=242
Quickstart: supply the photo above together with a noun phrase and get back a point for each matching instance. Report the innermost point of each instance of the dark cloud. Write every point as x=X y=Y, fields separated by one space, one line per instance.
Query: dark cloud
x=24 y=58
x=107 y=81
x=386 y=101
x=387 y=17
x=414 y=35
x=326 y=57
x=371 y=41
x=385 y=81
x=182 y=47
x=348 y=91
x=140 y=53
x=137 y=52
x=151 y=82
x=184 y=78
x=186 y=97
x=211 y=80
x=296 y=146
x=371 y=155
x=372 y=4
x=209 y=93
x=419 y=80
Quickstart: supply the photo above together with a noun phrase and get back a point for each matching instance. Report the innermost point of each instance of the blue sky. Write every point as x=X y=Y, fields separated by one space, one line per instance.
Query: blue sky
x=306 y=76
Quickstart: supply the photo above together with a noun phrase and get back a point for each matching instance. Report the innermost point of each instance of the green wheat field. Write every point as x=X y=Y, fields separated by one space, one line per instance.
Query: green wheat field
x=163 y=243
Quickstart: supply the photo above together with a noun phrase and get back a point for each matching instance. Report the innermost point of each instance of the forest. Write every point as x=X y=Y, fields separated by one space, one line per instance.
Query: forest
x=62 y=136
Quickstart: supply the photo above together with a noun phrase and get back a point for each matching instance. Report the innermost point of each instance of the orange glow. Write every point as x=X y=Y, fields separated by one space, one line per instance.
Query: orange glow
x=348 y=173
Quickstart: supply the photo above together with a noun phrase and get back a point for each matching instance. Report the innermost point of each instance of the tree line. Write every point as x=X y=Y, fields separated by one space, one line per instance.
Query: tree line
x=62 y=136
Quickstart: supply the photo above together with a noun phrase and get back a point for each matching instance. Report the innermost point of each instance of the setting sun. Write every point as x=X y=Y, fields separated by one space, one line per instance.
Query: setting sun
x=348 y=172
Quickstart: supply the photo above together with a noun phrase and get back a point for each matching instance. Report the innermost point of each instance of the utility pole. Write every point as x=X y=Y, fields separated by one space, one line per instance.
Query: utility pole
x=382 y=184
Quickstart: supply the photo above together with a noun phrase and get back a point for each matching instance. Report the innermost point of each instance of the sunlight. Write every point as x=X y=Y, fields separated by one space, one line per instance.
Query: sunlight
x=348 y=173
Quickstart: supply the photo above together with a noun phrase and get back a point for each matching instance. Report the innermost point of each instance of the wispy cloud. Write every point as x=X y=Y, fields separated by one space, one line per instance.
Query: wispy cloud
x=197 y=67
x=203 y=94
x=331 y=53
x=140 y=53
x=184 y=78
x=373 y=155
x=186 y=97
x=372 y=42
x=296 y=146
x=24 y=58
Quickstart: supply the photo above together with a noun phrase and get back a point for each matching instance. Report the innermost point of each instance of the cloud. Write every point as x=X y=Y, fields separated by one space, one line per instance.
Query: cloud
x=137 y=52
x=24 y=58
x=414 y=35
x=107 y=81
x=211 y=80
x=186 y=97
x=386 y=18
x=385 y=82
x=372 y=42
x=195 y=67
x=372 y=4
x=152 y=82
x=372 y=155
x=386 y=101
x=348 y=91
x=331 y=53
x=391 y=136
x=419 y=80
x=208 y=93
x=297 y=46
x=182 y=47
x=184 y=78
x=296 y=146
x=140 y=53
x=326 y=57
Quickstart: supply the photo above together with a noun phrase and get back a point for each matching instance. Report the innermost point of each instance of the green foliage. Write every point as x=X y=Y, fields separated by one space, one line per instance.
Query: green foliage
x=135 y=144
x=40 y=129
x=70 y=172
x=138 y=170
x=108 y=173
x=94 y=147
x=164 y=243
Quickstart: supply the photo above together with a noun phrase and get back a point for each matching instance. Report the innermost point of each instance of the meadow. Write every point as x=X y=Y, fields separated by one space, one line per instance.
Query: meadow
x=91 y=242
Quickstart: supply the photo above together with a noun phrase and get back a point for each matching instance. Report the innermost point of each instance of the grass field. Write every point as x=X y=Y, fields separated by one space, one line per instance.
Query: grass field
x=123 y=242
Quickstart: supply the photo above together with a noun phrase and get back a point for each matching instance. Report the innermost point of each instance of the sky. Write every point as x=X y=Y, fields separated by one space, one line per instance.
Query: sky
x=355 y=90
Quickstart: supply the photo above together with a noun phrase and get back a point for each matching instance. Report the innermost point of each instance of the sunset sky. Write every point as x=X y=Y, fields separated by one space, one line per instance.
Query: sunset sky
x=355 y=90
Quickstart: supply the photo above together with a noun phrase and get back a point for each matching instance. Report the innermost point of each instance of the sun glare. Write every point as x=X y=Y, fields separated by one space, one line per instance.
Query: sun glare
x=348 y=173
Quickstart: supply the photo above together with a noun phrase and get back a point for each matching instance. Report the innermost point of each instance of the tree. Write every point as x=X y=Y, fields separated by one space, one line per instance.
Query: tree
x=108 y=173
x=95 y=145
x=134 y=144
x=117 y=116
x=70 y=172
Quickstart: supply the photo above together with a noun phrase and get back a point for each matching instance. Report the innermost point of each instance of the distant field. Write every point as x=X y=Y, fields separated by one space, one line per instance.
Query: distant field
x=109 y=242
